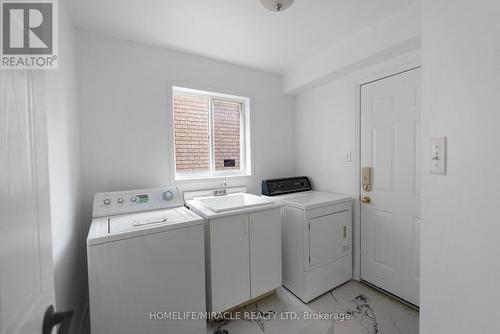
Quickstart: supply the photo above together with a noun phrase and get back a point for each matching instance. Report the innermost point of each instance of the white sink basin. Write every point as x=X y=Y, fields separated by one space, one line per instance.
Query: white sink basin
x=232 y=202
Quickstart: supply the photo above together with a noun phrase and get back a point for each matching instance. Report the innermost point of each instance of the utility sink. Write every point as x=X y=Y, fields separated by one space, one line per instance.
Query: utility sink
x=232 y=202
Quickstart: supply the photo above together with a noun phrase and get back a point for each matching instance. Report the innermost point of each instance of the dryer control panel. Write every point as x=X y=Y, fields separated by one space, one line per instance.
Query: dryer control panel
x=287 y=185
x=121 y=202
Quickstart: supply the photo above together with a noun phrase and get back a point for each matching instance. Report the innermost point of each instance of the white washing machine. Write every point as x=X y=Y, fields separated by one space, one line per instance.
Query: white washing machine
x=145 y=261
x=316 y=236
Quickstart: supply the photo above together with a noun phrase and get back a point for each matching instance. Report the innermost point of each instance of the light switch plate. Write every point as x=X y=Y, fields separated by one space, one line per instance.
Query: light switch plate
x=438 y=155
x=347 y=156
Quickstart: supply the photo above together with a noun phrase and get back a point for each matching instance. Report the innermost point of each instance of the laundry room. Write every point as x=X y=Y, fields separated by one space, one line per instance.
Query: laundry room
x=252 y=166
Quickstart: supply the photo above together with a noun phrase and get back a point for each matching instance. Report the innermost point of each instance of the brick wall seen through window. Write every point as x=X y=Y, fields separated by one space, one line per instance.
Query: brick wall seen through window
x=192 y=148
x=226 y=118
x=207 y=133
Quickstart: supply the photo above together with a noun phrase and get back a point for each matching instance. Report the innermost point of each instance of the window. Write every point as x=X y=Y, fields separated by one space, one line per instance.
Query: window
x=211 y=134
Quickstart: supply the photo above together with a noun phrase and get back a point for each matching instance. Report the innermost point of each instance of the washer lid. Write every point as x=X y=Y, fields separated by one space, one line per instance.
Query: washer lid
x=124 y=223
x=312 y=199
x=114 y=228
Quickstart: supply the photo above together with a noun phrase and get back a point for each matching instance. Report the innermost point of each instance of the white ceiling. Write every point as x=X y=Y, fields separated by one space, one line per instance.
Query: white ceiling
x=237 y=31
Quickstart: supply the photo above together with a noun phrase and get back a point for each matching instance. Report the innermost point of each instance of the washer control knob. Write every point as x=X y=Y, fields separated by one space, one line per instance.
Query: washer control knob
x=107 y=201
x=120 y=200
x=133 y=199
x=167 y=195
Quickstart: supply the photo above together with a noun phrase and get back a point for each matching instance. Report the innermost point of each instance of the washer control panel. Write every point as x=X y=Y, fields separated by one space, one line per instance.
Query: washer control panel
x=121 y=202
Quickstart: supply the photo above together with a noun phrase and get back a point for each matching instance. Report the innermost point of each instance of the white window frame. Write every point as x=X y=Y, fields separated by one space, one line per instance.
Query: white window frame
x=245 y=138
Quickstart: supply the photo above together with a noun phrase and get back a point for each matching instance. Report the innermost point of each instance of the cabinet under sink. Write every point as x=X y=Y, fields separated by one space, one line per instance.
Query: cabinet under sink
x=244 y=258
x=242 y=254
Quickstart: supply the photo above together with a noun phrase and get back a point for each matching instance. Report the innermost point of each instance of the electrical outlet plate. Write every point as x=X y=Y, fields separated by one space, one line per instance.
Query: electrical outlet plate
x=438 y=155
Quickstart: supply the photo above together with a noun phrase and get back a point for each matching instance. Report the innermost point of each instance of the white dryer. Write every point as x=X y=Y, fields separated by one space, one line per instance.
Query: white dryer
x=145 y=262
x=316 y=236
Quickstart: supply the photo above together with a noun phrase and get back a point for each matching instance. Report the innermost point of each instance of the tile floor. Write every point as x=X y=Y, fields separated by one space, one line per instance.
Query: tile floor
x=368 y=311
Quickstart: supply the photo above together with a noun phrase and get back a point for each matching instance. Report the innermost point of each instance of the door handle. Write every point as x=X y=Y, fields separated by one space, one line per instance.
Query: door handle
x=366 y=200
x=52 y=318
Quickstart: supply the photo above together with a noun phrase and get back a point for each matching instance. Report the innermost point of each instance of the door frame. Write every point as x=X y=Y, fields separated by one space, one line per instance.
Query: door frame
x=390 y=68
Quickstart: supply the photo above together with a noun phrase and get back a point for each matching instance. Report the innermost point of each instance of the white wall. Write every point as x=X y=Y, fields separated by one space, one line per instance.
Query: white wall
x=326 y=126
x=460 y=228
x=125 y=105
x=64 y=174
x=324 y=130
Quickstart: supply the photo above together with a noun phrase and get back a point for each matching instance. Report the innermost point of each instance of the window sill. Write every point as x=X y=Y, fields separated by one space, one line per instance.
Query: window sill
x=201 y=178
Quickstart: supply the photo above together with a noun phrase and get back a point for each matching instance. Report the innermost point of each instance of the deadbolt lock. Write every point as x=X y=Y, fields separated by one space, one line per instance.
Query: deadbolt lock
x=366 y=178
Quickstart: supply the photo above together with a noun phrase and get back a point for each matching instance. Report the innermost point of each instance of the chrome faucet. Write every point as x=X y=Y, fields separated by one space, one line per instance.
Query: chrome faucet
x=222 y=191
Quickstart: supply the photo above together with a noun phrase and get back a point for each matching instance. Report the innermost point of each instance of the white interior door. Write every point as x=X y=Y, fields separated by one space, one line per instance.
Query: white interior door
x=390 y=132
x=26 y=275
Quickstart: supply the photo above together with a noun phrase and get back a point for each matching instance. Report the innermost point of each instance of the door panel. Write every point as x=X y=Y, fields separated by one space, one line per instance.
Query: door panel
x=383 y=157
x=383 y=251
x=229 y=262
x=26 y=276
x=327 y=237
x=390 y=135
x=265 y=251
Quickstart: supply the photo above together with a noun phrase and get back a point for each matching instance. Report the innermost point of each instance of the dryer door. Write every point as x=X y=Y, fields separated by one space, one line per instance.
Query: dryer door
x=329 y=237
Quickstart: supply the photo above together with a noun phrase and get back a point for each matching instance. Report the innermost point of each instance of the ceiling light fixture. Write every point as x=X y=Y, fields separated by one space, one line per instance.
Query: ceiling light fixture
x=277 y=5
